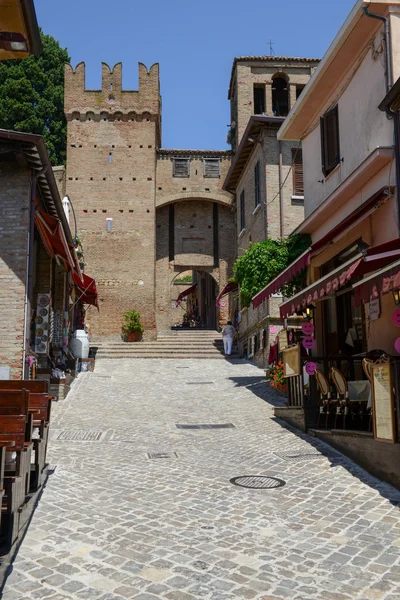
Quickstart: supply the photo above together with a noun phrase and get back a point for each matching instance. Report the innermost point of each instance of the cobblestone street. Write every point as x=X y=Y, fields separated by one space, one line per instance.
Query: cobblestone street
x=115 y=522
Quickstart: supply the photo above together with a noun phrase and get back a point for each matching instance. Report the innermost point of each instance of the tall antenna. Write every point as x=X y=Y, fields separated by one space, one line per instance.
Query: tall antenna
x=271 y=50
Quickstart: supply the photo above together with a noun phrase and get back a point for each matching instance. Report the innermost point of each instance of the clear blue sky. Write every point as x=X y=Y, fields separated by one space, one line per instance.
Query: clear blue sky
x=194 y=42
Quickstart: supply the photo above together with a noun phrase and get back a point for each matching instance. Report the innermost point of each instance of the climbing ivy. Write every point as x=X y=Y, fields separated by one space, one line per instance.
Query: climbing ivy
x=263 y=261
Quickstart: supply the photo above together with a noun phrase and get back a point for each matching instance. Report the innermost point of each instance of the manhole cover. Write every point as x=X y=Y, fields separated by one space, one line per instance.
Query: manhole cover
x=80 y=436
x=207 y=426
x=257 y=482
x=162 y=455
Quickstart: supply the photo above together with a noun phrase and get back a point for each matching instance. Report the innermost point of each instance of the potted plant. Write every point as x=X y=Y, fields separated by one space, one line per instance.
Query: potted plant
x=133 y=326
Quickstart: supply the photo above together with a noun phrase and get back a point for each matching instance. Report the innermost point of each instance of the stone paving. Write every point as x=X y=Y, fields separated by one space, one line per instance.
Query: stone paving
x=114 y=524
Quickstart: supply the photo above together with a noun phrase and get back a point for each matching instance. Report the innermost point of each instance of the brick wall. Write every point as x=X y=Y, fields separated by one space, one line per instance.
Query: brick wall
x=261 y=72
x=193 y=220
x=14 y=227
x=112 y=138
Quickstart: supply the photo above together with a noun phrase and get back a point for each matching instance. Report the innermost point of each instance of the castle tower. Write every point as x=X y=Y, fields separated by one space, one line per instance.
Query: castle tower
x=111 y=169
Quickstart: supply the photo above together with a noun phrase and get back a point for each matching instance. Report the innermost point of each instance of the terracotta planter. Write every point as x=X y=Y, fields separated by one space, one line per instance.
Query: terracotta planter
x=134 y=336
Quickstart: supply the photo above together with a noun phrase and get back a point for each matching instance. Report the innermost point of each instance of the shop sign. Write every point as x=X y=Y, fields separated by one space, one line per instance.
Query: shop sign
x=374 y=309
x=383 y=402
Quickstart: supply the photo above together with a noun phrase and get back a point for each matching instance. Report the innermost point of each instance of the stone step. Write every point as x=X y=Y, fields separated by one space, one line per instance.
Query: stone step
x=216 y=356
x=216 y=344
x=156 y=351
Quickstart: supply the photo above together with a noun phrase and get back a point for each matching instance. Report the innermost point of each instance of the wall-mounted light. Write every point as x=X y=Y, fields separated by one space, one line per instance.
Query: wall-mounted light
x=13 y=42
x=396 y=297
x=308 y=313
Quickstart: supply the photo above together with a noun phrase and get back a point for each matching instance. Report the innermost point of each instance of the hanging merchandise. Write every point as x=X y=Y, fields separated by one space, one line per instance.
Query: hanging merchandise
x=42 y=324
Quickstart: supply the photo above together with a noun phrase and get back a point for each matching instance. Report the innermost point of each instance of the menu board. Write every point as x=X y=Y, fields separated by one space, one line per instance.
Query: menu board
x=291 y=361
x=383 y=403
x=282 y=340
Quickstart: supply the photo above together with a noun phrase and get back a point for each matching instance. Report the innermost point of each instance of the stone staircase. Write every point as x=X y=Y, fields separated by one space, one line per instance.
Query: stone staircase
x=186 y=343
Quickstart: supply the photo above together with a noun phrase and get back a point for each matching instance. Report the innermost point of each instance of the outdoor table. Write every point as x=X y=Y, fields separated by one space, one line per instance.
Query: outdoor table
x=360 y=391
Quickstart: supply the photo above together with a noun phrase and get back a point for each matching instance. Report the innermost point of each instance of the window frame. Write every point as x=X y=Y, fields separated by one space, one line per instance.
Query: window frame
x=242 y=210
x=330 y=140
x=216 y=160
x=257 y=187
x=174 y=161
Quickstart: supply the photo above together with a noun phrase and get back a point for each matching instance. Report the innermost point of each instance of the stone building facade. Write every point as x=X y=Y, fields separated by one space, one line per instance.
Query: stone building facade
x=147 y=214
x=266 y=174
x=144 y=214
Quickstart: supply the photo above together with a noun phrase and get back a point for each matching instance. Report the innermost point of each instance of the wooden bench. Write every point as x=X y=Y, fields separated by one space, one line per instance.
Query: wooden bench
x=39 y=412
x=16 y=480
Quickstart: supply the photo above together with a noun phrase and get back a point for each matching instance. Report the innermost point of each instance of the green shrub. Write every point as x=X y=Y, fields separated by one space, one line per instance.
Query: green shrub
x=132 y=322
x=263 y=261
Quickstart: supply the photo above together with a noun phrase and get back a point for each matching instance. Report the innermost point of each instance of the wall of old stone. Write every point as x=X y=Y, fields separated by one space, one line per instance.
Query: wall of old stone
x=261 y=72
x=111 y=172
x=170 y=188
x=14 y=227
x=265 y=220
x=193 y=225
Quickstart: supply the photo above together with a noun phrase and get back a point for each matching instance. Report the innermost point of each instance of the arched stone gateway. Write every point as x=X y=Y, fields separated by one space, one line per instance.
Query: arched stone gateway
x=195 y=236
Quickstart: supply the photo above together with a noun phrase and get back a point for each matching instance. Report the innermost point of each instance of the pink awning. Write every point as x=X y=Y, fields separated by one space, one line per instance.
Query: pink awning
x=185 y=293
x=287 y=275
x=231 y=286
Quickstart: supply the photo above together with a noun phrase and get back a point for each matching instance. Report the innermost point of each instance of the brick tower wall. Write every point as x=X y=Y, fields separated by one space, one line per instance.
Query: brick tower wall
x=111 y=164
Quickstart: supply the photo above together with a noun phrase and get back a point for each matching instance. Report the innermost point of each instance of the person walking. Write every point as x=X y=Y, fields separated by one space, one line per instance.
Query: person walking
x=228 y=334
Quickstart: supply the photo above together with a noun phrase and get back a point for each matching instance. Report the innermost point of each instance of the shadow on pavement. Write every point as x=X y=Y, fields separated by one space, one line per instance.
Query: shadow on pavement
x=260 y=388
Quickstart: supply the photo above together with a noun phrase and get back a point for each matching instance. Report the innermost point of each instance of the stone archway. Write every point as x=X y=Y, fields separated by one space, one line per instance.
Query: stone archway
x=195 y=235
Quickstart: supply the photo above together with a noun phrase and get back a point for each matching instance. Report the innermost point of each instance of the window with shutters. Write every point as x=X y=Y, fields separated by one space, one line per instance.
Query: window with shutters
x=330 y=147
x=242 y=211
x=257 y=194
x=211 y=167
x=297 y=172
x=180 y=167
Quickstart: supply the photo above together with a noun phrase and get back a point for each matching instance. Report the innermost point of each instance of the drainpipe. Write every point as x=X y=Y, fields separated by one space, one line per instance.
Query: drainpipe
x=387 y=41
x=280 y=183
x=391 y=114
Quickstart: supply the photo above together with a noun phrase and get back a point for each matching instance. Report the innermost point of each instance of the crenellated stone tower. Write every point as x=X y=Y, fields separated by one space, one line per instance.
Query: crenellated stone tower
x=113 y=136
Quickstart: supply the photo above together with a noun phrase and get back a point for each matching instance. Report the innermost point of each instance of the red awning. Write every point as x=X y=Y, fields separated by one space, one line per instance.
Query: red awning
x=376 y=257
x=87 y=289
x=323 y=287
x=361 y=213
x=384 y=280
x=231 y=286
x=53 y=238
x=183 y=295
x=287 y=275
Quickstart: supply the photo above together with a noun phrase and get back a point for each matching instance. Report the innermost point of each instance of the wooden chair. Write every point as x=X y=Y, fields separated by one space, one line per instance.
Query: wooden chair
x=325 y=396
x=343 y=405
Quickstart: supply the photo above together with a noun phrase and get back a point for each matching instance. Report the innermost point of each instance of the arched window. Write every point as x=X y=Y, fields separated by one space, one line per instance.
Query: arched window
x=280 y=97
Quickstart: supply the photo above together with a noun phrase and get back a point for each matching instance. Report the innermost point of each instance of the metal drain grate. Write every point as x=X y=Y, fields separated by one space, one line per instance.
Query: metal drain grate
x=80 y=436
x=257 y=482
x=162 y=455
x=207 y=426
x=199 y=383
